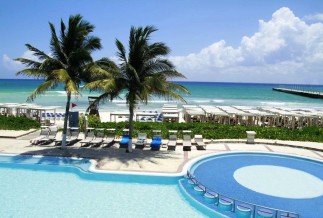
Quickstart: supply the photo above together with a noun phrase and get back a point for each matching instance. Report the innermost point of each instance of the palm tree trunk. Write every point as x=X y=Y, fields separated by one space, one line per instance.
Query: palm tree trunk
x=131 y=108
x=67 y=109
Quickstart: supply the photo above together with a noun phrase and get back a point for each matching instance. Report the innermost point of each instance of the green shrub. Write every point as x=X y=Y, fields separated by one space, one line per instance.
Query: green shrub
x=18 y=123
x=215 y=131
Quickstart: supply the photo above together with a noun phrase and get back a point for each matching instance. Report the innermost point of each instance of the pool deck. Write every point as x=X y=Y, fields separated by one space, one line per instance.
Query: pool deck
x=145 y=160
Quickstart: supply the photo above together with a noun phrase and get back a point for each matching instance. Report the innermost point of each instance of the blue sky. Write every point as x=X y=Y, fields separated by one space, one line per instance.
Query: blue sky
x=222 y=41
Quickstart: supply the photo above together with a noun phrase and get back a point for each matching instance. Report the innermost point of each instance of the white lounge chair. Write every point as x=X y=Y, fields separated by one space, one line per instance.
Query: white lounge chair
x=71 y=136
x=109 y=140
x=172 y=142
x=141 y=141
x=51 y=135
x=74 y=136
x=59 y=138
x=200 y=145
x=98 y=139
x=88 y=138
x=187 y=143
x=43 y=134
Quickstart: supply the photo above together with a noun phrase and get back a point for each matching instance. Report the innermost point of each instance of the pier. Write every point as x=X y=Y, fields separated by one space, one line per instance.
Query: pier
x=310 y=94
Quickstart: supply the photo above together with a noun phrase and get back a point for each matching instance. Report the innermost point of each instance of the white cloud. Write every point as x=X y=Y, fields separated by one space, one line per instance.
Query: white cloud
x=11 y=64
x=284 y=49
x=314 y=17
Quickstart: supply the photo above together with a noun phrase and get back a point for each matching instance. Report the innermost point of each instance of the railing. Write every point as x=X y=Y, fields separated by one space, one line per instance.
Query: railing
x=242 y=205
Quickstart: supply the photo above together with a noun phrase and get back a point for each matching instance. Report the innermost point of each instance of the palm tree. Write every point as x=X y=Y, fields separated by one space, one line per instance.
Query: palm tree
x=141 y=74
x=69 y=62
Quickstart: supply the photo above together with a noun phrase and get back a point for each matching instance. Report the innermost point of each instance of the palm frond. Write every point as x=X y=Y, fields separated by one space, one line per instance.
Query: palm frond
x=92 y=43
x=39 y=54
x=121 y=51
x=48 y=84
x=55 y=45
x=32 y=73
x=29 y=63
x=71 y=87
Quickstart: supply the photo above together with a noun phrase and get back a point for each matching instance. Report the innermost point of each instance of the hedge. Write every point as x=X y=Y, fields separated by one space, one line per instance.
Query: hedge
x=18 y=123
x=215 y=131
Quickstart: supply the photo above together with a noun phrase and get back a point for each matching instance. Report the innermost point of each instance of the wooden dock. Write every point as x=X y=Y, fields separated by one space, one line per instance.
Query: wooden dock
x=309 y=94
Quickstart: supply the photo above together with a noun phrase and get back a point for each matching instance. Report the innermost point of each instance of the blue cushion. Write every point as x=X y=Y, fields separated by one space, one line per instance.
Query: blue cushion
x=124 y=139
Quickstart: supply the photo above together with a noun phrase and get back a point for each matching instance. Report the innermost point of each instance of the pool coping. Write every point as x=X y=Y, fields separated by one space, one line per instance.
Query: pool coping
x=188 y=165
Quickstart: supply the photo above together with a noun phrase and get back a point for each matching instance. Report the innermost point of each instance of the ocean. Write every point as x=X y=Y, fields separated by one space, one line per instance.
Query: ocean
x=202 y=93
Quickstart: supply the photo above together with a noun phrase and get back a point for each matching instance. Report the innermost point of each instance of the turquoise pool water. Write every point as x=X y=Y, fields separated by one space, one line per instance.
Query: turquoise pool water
x=284 y=182
x=51 y=187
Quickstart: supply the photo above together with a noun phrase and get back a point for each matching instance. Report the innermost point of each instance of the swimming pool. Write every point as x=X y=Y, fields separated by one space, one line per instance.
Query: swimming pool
x=63 y=187
x=272 y=180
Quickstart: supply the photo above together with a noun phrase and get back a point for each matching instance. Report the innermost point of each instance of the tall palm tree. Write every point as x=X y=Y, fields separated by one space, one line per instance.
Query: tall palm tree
x=69 y=62
x=143 y=72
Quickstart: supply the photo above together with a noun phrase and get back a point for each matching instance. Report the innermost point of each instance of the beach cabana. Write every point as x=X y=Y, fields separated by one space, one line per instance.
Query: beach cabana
x=117 y=114
x=9 y=109
x=215 y=115
x=193 y=113
x=170 y=113
x=146 y=114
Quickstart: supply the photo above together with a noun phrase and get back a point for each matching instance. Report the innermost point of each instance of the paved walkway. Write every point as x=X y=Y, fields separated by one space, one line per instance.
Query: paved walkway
x=145 y=160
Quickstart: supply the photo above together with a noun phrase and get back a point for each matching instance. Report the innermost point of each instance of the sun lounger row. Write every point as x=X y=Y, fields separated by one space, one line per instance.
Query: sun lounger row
x=106 y=137
x=187 y=141
x=46 y=136
x=156 y=142
x=49 y=134
x=72 y=136
x=98 y=137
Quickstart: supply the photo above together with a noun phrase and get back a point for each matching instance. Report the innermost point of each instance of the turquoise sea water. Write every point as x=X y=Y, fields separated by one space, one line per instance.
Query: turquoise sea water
x=202 y=93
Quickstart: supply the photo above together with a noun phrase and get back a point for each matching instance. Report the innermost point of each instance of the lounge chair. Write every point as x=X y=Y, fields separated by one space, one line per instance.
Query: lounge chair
x=200 y=145
x=187 y=143
x=58 y=139
x=43 y=134
x=124 y=141
x=172 y=142
x=141 y=141
x=156 y=142
x=74 y=136
x=96 y=142
x=51 y=135
x=109 y=140
x=88 y=138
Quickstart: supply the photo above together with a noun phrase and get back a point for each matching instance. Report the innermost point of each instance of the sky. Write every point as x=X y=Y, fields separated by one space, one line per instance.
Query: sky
x=268 y=41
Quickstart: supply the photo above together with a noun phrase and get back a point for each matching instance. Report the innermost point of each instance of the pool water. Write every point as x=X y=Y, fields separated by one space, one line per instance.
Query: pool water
x=278 y=181
x=55 y=189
